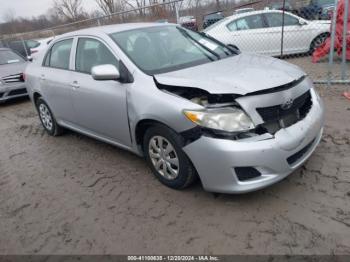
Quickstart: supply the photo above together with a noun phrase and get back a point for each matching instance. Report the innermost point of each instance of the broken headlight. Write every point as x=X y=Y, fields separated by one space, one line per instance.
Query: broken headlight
x=224 y=119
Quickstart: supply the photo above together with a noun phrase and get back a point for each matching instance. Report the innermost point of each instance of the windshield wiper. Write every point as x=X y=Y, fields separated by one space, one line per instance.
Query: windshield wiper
x=186 y=34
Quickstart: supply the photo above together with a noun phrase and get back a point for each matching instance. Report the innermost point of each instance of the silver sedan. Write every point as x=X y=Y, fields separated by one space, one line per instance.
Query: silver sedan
x=192 y=106
x=12 y=67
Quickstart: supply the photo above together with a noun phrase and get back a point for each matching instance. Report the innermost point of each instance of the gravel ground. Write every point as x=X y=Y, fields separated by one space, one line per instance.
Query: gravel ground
x=75 y=195
x=319 y=71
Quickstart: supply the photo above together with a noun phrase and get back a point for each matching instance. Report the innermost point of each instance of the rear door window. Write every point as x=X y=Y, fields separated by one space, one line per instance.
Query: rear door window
x=59 y=55
x=246 y=23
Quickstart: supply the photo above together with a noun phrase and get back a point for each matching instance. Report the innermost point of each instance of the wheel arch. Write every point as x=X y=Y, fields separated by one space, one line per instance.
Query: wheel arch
x=36 y=96
x=141 y=128
x=327 y=34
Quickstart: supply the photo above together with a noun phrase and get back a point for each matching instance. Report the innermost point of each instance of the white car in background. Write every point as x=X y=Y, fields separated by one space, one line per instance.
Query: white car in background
x=42 y=45
x=243 y=10
x=260 y=32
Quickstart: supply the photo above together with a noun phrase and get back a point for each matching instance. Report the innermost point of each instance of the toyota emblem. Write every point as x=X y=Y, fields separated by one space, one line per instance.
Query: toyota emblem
x=287 y=105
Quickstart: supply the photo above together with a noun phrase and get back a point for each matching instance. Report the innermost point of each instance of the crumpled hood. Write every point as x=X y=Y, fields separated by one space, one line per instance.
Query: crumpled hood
x=241 y=74
x=12 y=69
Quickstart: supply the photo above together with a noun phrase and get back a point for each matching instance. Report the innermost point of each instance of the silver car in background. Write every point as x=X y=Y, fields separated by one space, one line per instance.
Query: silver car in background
x=12 y=67
x=190 y=105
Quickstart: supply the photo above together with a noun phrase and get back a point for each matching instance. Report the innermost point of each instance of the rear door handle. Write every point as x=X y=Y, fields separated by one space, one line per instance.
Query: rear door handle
x=42 y=77
x=75 y=84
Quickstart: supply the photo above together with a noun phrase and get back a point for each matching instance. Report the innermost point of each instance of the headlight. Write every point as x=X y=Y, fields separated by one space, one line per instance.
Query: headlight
x=226 y=119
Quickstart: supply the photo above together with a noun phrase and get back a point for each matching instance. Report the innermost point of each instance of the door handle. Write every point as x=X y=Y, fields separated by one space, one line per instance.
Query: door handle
x=42 y=77
x=75 y=84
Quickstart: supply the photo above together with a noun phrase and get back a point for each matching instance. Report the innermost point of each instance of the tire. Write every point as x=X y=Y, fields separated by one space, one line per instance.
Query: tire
x=47 y=119
x=317 y=42
x=173 y=168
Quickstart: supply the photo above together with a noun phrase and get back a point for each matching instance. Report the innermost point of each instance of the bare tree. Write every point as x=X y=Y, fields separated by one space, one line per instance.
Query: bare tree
x=218 y=5
x=140 y=4
x=69 y=9
x=9 y=15
x=107 y=6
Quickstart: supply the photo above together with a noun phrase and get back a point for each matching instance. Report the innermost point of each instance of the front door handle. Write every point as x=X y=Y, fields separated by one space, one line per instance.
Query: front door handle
x=42 y=77
x=75 y=84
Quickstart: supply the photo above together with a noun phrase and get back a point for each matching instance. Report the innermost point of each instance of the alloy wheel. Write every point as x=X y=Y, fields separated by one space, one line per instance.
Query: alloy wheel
x=46 y=117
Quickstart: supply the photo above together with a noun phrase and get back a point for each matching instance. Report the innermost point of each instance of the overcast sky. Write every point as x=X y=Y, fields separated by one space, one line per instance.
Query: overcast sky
x=28 y=8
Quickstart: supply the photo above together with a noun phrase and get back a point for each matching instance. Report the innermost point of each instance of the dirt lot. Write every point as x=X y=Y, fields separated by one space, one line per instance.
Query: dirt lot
x=74 y=195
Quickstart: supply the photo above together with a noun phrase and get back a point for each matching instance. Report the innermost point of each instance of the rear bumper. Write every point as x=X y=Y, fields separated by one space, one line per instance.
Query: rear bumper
x=12 y=91
x=216 y=159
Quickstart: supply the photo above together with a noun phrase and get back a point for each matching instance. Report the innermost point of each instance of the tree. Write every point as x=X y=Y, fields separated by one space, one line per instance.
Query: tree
x=107 y=6
x=9 y=15
x=218 y=5
x=136 y=4
x=69 y=9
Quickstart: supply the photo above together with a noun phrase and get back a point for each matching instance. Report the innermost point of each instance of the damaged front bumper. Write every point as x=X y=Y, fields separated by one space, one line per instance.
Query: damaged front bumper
x=272 y=157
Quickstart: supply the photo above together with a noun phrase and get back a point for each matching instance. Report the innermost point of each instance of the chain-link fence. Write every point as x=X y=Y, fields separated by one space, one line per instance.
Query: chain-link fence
x=25 y=43
x=313 y=34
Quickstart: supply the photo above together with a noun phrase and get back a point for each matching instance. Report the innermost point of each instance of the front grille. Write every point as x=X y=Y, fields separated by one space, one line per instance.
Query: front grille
x=17 y=92
x=246 y=173
x=277 y=117
x=13 y=78
x=297 y=156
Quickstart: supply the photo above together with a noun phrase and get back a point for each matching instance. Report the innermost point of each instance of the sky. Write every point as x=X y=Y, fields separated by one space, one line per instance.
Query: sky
x=29 y=8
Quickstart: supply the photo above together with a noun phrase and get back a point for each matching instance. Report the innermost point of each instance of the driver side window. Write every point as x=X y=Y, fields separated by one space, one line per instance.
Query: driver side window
x=90 y=53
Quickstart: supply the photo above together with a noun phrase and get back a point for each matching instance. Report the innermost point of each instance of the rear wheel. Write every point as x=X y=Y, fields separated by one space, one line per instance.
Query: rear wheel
x=47 y=119
x=164 y=154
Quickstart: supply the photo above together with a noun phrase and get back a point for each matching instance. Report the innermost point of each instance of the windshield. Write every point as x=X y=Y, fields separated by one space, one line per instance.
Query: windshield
x=9 y=57
x=163 y=49
x=32 y=43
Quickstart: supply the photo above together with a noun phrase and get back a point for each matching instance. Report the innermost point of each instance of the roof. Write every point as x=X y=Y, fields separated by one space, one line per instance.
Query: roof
x=109 y=29
x=257 y=12
x=213 y=13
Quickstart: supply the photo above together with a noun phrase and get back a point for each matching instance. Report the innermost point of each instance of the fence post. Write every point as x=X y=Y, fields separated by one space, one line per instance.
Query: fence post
x=282 y=34
x=331 y=51
x=345 y=32
x=177 y=13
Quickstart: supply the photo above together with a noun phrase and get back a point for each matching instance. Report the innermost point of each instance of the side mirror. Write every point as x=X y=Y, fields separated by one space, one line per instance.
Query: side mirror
x=105 y=72
x=235 y=48
x=302 y=22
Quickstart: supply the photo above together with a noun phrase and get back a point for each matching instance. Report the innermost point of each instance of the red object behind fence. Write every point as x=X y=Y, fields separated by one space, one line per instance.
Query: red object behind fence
x=324 y=49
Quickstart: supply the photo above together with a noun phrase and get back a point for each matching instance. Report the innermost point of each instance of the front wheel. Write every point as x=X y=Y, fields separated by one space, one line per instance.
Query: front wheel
x=47 y=119
x=317 y=42
x=164 y=154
